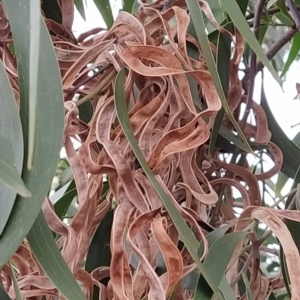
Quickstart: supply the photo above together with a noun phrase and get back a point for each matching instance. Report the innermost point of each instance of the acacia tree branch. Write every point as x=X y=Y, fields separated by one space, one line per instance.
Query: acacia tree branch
x=277 y=46
x=291 y=5
x=248 y=81
x=252 y=69
x=271 y=11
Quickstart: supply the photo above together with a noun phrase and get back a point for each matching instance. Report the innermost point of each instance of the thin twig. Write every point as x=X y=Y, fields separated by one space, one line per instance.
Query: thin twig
x=88 y=79
x=291 y=5
x=216 y=214
x=270 y=11
x=265 y=236
x=269 y=250
x=277 y=46
x=98 y=89
x=252 y=70
x=248 y=81
x=244 y=269
x=292 y=204
x=281 y=199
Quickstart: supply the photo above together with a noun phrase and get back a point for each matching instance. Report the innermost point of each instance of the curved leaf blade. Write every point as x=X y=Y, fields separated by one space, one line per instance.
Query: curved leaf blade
x=286 y=17
x=8 y=172
x=105 y=11
x=15 y=283
x=10 y=120
x=226 y=289
x=293 y=228
x=62 y=205
x=3 y=294
x=247 y=285
x=48 y=255
x=223 y=65
x=292 y=54
x=34 y=47
x=49 y=124
x=99 y=253
x=198 y=22
x=52 y=10
x=80 y=7
x=241 y=24
x=216 y=263
x=128 y=5
x=11 y=129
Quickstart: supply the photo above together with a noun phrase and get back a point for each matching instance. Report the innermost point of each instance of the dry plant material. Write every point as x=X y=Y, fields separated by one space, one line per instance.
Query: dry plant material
x=173 y=135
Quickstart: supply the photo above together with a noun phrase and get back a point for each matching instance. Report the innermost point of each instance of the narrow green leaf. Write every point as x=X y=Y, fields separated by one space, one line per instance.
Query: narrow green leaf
x=239 y=21
x=62 y=205
x=226 y=289
x=190 y=281
x=184 y=231
x=296 y=140
x=294 y=229
x=10 y=128
x=228 y=135
x=193 y=52
x=128 y=5
x=243 y=5
x=280 y=183
x=66 y=176
x=227 y=142
x=86 y=111
x=47 y=254
x=194 y=87
x=272 y=296
x=247 y=285
x=281 y=5
x=216 y=263
x=15 y=283
x=34 y=55
x=214 y=235
x=173 y=295
x=198 y=23
x=283 y=19
x=294 y=51
x=80 y=7
x=9 y=118
x=99 y=253
x=218 y=12
x=246 y=55
x=270 y=3
x=8 y=172
x=105 y=11
x=263 y=28
x=223 y=58
x=3 y=294
x=49 y=125
x=135 y=7
x=283 y=296
x=52 y=10
x=223 y=65
x=284 y=271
